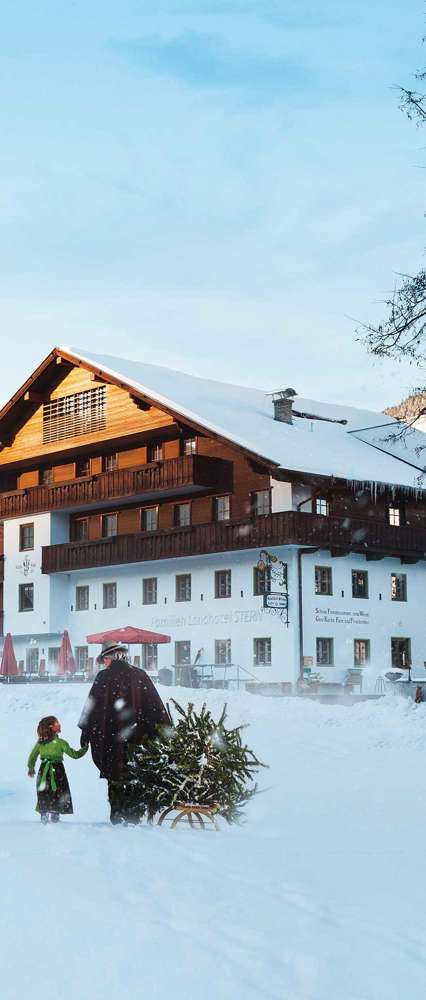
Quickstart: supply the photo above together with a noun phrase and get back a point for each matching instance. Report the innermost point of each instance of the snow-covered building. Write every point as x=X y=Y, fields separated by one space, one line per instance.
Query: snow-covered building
x=266 y=535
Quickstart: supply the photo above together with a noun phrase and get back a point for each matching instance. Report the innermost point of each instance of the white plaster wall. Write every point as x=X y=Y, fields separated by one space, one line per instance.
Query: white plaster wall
x=377 y=618
x=281 y=496
x=205 y=618
x=25 y=567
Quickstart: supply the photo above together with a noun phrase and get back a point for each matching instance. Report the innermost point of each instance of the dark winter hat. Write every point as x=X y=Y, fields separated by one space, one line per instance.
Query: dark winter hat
x=110 y=649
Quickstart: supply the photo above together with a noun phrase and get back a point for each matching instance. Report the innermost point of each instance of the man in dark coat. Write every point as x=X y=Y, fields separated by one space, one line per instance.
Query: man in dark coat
x=122 y=708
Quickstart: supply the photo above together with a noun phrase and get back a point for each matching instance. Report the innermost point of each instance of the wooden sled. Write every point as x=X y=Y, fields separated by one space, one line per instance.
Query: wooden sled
x=192 y=812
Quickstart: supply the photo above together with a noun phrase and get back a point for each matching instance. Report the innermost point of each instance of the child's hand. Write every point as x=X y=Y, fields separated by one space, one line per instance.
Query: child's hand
x=31 y=774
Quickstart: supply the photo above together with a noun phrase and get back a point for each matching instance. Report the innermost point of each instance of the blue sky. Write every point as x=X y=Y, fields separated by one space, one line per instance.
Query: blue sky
x=218 y=187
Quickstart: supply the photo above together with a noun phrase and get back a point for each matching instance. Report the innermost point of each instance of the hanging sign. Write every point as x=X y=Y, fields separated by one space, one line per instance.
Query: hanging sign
x=276 y=601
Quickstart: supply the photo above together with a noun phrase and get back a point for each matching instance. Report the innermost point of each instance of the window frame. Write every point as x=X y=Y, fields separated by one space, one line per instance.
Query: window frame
x=265 y=493
x=22 y=529
x=146 y=581
x=226 y=660
x=144 y=513
x=81 y=475
x=80 y=520
x=147 y=649
x=156 y=448
x=358 y=662
x=179 y=578
x=21 y=589
x=395 y=592
x=319 y=661
x=109 y=607
x=78 y=592
x=358 y=573
x=180 y=643
x=111 y=514
x=227 y=574
x=258 y=575
x=318 y=503
x=265 y=658
x=226 y=497
x=319 y=590
x=400 y=639
x=109 y=461
x=178 y=506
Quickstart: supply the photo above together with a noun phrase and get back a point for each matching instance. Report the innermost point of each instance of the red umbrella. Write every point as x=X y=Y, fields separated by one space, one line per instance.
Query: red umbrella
x=8 y=666
x=129 y=635
x=66 y=662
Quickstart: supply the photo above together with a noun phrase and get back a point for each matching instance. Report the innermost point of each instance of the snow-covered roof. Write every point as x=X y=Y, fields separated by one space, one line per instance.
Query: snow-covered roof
x=361 y=450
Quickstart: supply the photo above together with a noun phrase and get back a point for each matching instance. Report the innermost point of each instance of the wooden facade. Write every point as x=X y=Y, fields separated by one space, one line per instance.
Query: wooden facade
x=109 y=469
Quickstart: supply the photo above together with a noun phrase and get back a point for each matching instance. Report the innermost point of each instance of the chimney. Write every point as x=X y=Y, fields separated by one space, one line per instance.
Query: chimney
x=283 y=405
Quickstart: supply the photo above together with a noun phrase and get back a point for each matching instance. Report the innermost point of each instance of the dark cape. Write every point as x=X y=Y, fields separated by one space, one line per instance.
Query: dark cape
x=122 y=708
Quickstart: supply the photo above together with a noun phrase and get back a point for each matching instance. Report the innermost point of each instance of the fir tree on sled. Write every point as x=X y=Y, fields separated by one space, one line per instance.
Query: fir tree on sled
x=197 y=768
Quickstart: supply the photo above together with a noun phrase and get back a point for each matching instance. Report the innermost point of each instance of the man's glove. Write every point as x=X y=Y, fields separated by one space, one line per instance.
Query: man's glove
x=84 y=740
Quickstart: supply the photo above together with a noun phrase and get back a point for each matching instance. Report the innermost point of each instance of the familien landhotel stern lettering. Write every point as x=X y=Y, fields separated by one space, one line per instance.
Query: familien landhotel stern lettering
x=233 y=618
x=341 y=617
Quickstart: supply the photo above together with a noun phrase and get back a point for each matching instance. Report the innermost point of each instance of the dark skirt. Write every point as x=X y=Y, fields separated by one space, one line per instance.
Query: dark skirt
x=51 y=800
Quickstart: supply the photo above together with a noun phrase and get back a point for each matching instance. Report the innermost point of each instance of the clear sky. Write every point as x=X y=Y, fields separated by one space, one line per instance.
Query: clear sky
x=215 y=186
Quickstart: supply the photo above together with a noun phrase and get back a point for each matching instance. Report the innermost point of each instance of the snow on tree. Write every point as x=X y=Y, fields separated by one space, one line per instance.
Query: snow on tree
x=194 y=760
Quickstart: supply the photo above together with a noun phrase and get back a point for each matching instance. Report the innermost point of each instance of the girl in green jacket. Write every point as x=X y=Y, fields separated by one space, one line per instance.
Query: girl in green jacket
x=53 y=790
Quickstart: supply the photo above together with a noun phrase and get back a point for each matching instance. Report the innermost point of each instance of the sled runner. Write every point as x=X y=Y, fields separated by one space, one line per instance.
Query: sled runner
x=190 y=810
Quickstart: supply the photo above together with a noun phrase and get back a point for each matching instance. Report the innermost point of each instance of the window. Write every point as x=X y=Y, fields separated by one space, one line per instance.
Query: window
x=222 y=651
x=149 y=590
x=46 y=477
x=359 y=583
x=154 y=452
x=261 y=651
x=401 y=652
x=396 y=515
x=261 y=581
x=323 y=580
x=81 y=657
x=53 y=659
x=82 y=467
x=183 y=587
x=182 y=652
x=321 y=506
x=189 y=446
x=109 y=525
x=150 y=519
x=110 y=595
x=109 y=461
x=222 y=583
x=150 y=656
x=222 y=508
x=26 y=597
x=325 y=652
x=26 y=537
x=398 y=587
x=262 y=502
x=182 y=515
x=361 y=652
x=31 y=660
x=81 y=598
x=80 y=529
x=81 y=413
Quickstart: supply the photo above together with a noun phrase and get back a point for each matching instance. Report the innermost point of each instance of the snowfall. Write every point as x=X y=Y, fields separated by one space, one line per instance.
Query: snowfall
x=318 y=895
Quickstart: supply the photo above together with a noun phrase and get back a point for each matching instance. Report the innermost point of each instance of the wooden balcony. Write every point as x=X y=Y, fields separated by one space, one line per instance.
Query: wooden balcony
x=338 y=535
x=188 y=474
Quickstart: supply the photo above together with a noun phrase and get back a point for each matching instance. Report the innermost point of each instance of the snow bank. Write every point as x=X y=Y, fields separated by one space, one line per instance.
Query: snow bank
x=319 y=896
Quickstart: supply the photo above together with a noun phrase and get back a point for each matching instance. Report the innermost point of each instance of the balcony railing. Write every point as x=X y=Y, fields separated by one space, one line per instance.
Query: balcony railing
x=168 y=476
x=284 y=528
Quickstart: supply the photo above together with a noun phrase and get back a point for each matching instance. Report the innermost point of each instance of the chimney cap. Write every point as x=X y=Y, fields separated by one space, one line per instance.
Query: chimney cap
x=284 y=394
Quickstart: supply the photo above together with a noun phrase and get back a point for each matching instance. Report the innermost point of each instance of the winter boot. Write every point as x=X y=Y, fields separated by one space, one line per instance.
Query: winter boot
x=44 y=817
x=54 y=817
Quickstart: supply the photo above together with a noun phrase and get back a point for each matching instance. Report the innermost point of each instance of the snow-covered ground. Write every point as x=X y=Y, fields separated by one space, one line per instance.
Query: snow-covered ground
x=321 y=895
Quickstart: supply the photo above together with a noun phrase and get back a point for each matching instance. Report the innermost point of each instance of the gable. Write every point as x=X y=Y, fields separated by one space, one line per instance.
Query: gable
x=123 y=419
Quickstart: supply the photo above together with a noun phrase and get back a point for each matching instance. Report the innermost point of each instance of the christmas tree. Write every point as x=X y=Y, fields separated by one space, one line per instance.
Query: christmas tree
x=196 y=760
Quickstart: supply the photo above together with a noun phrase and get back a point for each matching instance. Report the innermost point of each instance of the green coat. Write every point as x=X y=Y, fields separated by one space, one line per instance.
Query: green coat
x=53 y=751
